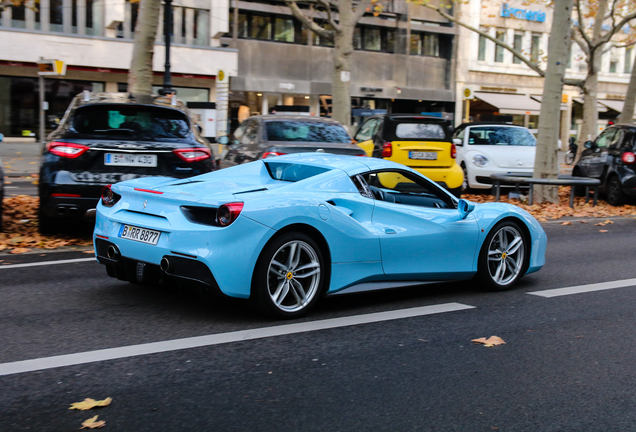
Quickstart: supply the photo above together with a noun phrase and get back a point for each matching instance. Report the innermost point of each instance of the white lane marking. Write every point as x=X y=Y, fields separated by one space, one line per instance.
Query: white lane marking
x=44 y=263
x=221 y=338
x=584 y=288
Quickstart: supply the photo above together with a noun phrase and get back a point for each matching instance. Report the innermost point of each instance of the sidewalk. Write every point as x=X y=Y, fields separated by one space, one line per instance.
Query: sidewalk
x=20 y=158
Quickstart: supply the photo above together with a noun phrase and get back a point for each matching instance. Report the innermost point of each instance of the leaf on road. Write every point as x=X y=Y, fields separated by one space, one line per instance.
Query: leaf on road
x=490 y=342
x=602 y=230
x=88 y=403
x=566 y=223
x=583 y=221
x=92 y=251
x=19 y=250
x=92 y=423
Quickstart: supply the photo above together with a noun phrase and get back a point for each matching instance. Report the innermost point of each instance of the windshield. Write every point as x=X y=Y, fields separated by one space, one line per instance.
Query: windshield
x=144 y=123
x=497 y=135
x=306 y=131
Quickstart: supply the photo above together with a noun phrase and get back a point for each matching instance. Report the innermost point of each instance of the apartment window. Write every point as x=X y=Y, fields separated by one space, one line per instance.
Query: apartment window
x=134 y=12
x=38 y=26
x=518 y=46
x=431 y=45
x=627 y=68
x=200 y=27
x=73 y=16
x=322 y=41
x=416 y=44
x=56 y=15
x=500 y=35
x=93 y=17
x=613 y=66
x=284 y=30
x=18 y=16
x=481 y=55
x=261 y=27
x=372 y=39
x=388 y=42
x=534 y=48
x=243 y=25
x=357 y=38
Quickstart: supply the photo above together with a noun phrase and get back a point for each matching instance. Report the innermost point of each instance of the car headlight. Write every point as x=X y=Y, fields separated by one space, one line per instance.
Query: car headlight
x=480 y=161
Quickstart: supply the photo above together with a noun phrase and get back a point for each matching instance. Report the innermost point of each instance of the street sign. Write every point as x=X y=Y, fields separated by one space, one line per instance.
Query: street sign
x=221 y=76
x=468 y=93
x=51 y=67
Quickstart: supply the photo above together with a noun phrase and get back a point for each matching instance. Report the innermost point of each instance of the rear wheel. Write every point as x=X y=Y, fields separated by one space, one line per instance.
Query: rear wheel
x=289 y=276
x=503 y=259
x=569 y=157
x=615 y=195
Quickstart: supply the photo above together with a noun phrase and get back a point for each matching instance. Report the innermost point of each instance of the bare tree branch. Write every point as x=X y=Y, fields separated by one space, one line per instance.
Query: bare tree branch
x=310 y=24
x=360 y=10
x=626 y=45
x=576 y=37
x=327 y=5
x=580 y=26
x=617 y=27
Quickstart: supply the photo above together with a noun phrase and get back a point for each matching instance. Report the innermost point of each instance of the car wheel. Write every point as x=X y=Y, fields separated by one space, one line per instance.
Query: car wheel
x=615 y=195
x=503 y=258
x=465 y=187
x=289 y=276
x=46 y=224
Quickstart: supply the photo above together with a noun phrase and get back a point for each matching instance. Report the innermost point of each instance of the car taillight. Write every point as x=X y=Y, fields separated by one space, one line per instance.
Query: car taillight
x=628 y=158
x=193 y=154
x=453 y=151
x=109 y=198
x=387 y=149
x=227 y=213
x=66 y=150
x=272 y=154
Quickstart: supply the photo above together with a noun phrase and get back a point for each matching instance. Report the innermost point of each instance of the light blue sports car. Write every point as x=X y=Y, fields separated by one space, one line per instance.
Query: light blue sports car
x=287 y=230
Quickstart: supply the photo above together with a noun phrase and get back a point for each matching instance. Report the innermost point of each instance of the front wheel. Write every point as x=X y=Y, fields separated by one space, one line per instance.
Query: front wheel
x=503 y=258
x=615 y=194
x=569 y=157
x=289 y=277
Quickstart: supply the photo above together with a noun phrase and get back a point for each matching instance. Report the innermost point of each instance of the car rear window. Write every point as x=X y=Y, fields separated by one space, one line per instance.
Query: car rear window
x=420 y=131
x=306 y=131
x=144 y=123
x=291 y=172
x=497 y=135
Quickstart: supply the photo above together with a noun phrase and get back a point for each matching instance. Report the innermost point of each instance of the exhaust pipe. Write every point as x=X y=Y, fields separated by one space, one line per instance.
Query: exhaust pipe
x=165 y=265
x=112 y=252
x=61 y=210
x=73 y=211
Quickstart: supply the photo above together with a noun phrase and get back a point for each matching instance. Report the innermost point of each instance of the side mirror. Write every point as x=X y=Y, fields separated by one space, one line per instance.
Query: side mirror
x=223 y=140
x=458 y=142
x=465 y=207
x=199 y=129
x=588 y=144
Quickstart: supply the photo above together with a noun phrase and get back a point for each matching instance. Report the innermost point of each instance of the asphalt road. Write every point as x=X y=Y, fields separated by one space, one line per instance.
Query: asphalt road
x=567 y=364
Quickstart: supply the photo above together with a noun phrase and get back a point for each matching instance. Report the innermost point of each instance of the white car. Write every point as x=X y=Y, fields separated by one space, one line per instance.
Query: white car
x=493 y=148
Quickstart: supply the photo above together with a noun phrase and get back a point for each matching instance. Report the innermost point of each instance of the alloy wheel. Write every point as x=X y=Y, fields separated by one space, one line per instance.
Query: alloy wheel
x=506 y=255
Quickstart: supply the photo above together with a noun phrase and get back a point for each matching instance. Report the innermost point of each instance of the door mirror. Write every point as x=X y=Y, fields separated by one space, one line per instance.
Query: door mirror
x=458 y=142
x=465 y=207
x=588 y=144
x=223 y=140
x=199 y=129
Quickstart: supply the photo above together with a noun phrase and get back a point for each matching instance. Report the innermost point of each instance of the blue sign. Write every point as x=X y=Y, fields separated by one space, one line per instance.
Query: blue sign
x=528 y=15
x=363 y=112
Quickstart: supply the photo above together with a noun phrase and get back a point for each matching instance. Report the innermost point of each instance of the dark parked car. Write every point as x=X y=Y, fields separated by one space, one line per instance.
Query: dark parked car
x=1 y=192
x=264 y=136
x=611 y=158
x=109 y=137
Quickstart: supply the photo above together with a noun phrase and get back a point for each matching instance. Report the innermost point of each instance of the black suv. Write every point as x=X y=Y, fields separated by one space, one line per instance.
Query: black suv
x=105 y=138
x=611 y=158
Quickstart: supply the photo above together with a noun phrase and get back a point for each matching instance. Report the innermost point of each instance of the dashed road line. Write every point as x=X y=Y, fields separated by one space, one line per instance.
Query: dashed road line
x=557 y=292
x=45 y=263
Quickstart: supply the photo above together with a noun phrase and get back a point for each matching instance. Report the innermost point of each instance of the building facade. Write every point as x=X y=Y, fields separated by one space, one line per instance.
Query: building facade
x=95 y=40
x=504 y=86
x=403 y=61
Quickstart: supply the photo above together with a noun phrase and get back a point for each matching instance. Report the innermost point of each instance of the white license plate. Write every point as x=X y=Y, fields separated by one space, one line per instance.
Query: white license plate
x=130 y=159
x=423 y=155
x=139 y=234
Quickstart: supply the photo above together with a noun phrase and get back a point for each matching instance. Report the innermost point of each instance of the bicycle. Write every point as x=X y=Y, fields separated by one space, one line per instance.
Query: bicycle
x=570 y=156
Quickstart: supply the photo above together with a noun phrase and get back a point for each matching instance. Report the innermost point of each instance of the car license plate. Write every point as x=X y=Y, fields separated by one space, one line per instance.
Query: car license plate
x=130 y=159
x=423 y=155
x=139 y=234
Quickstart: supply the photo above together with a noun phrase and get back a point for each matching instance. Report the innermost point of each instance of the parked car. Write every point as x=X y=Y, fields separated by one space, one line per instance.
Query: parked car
x=493 y=148
x=1 y=192
x=611 y=158
x=419 y=142
x=264 y=136
x=285 y=231
x=108 y=137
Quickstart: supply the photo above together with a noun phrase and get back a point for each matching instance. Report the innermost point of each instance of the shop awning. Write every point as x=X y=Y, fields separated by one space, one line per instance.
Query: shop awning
x=601 y=108
x=511 y=103
x=539 y=98
x=616 y=105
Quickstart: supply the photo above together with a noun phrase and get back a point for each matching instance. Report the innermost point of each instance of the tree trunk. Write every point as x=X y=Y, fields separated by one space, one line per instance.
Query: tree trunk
x=341 y=74
x=627 y=116
x=546 y=164
x=140 y=74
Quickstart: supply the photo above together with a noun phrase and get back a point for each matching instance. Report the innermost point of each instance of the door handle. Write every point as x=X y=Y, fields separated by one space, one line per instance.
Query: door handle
x=390 y=231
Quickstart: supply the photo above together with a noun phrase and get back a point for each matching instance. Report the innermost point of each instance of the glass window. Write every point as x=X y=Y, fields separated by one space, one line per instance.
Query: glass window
x=200 y=27
x=134 y=12
x=261 y=27
x=481 y=55
x=18 y=18
x=372 y=39
x=420 y=131
x=405 y=188
x=496 y=135
x=242 y=25
x=322 y=41
x=431 y=45
x=188 y=94
x=416 y=44
x=627 y=68
x=500 y=35
x=613 y=66
x=518 y=46
x=93 y=17
x=306 y=131
x=366 y=130
x=606 y=138
x=389 y=41
x=73 y=16
x=56 y=15
x=291 y=172
x=357 y=38
x=284 y=30
x=534 y=48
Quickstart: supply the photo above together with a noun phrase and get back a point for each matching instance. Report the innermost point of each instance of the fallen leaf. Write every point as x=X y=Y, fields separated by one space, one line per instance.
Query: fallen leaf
x=566 y=223
x=602 y=230
x=583 y=221
x=88 y=403
x=19 y=250
x=92 y=423
x=490 y=342
x=92 y=251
